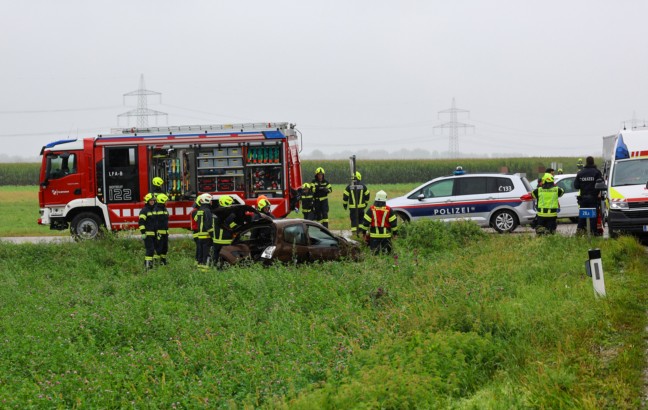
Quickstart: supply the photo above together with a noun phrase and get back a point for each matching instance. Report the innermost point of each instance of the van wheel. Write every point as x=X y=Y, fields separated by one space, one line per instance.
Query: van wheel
x=85 y=226
x=504 y=221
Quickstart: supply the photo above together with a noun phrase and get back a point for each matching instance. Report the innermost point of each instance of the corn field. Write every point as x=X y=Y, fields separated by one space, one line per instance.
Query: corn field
x=373 y=171
x=417 y=171
x=19 y=173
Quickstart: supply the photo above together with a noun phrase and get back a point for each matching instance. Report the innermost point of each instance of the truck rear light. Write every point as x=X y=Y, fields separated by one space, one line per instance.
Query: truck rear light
x=526 y=197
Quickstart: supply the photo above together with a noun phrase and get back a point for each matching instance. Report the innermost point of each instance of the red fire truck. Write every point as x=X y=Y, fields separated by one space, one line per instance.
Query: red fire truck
x=101 y=181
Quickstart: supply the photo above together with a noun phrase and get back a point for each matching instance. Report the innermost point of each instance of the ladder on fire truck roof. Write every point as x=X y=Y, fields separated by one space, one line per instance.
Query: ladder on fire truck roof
x=204 y=128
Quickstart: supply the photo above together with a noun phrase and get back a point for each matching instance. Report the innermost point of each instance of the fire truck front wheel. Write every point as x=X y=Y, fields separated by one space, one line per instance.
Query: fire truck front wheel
x=85 y=225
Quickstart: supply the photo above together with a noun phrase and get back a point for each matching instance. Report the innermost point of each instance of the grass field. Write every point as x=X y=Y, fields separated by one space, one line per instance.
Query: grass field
x=19 y=209
x=460 y=320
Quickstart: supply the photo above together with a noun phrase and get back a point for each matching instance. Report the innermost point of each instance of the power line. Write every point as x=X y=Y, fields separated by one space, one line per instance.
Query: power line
x=60 y=110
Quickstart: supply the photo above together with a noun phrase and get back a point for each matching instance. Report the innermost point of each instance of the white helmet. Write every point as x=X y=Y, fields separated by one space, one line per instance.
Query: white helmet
x=205 y=198
x=381 y=196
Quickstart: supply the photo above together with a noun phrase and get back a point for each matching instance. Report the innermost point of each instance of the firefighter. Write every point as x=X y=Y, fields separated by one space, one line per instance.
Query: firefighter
x=306 y=198
x=588 y=196
x=547 y=196
x=355 y=197
x=204 y=229
x=223 y=228
x=263 y=206
x=579 y=164
x=162 y=228
x=147 y=226
x=559 y=171
x=320 y=197
x=194 y=226
x=381 y=223
x=459 y=171
x=157 y=186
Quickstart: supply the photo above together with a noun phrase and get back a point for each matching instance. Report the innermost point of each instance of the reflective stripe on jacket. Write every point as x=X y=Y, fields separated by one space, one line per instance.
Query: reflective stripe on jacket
x=356 y=197
x=380 y=221
x=548 y=200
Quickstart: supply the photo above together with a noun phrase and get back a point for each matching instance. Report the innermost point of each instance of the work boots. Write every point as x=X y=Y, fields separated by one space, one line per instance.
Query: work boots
x=148 y=265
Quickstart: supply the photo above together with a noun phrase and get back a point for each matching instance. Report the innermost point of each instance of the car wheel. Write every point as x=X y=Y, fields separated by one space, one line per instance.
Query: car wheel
x=402 y=218
x=504 y=221
x=85 y=226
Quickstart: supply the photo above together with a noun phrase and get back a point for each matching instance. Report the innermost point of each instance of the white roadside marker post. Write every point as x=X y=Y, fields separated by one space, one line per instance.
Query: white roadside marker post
x=594 y=267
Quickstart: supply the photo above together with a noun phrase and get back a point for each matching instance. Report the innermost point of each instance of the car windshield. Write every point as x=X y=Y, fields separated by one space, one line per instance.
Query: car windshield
x=630 y=172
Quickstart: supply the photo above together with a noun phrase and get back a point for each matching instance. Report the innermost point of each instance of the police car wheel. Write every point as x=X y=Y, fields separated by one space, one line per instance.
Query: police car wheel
x=504 y=221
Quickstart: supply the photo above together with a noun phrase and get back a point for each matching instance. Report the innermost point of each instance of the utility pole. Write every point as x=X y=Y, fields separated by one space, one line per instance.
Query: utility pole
x=141 y=112
x=454 y=126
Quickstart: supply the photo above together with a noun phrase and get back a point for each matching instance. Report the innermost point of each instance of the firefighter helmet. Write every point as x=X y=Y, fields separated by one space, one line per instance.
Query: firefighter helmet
x=161 y=198
x=320 y=170
x=358 y=176
x=262 y=204
x=205 y=199
x=547 y=178
x=225 y=200
x=148 y=197
x=157 y=181
x=259 y=199
x=381 y=196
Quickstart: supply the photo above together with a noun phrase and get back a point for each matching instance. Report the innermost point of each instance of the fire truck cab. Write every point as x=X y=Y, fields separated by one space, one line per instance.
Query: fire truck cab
x=87 y=184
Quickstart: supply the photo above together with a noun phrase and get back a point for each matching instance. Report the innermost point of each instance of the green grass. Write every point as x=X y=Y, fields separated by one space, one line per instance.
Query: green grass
x=19 y=212
x=460 y=320
x=19 y=209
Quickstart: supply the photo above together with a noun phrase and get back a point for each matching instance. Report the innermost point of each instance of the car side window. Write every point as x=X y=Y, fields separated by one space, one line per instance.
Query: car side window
x=567 y=184
x=319 y=237
x=294 y=235
x=505 y=185
x=471 y=186
x=435 y=189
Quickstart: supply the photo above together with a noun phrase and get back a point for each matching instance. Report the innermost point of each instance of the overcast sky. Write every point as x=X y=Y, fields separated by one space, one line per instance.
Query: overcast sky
x=538 y=77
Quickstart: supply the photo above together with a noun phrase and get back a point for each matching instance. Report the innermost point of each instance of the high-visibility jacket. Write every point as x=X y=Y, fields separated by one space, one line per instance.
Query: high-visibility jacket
x=223 y=229
x=356 y=197
x=162 y=219
x=147 y=220
x=306 y=199
x=204 y=222
x=548 y=200
x=380 y=222
x=321 y=189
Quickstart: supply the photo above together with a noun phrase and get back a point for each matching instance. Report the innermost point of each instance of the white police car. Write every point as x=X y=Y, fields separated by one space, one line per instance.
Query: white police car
x=502 y=201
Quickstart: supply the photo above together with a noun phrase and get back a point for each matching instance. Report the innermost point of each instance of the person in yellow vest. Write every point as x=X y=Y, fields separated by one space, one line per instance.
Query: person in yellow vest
x=321 y=189
x=306 y=199
x=147 y=227
x=381 y=223
x=162 y=231
x=355 y=198
x=547 y=196
x=204 y=229
x=224 y=225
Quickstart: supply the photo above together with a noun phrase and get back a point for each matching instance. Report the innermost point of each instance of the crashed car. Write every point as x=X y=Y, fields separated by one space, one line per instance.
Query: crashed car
x=287 y=240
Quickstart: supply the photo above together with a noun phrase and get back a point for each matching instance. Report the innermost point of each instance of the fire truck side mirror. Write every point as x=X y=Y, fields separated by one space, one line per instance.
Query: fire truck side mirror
x=44 y=183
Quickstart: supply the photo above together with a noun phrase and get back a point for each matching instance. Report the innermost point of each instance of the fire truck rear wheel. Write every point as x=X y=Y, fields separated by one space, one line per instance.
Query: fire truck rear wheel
x=85 y=226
